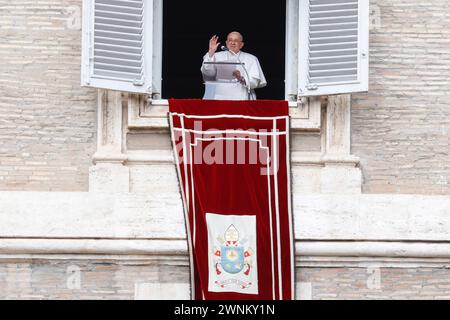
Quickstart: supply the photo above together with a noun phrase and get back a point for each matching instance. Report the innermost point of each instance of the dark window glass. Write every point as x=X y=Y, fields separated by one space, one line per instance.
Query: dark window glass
x=188 y=26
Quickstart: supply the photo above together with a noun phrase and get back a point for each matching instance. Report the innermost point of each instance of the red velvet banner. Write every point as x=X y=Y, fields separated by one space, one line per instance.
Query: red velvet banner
x=233 y=164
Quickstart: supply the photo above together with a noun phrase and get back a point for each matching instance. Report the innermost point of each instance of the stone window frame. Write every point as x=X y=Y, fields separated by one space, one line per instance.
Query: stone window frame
x=150 y=112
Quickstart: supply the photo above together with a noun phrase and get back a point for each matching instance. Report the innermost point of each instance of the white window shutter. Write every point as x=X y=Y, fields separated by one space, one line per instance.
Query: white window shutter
x=333 y=47
x=117 y=45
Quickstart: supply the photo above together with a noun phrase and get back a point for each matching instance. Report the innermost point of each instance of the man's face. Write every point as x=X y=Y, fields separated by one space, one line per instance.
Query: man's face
x=234 y=42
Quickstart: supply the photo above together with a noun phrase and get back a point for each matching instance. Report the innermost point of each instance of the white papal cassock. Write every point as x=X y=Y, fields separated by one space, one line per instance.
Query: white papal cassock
x=252 y=74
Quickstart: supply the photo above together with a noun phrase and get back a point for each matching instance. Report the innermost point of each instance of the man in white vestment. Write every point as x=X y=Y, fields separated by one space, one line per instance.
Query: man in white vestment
x=245 y=78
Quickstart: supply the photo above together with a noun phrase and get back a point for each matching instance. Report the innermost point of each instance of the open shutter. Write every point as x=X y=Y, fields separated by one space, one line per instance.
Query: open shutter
x=117 y=45
x=333 y=46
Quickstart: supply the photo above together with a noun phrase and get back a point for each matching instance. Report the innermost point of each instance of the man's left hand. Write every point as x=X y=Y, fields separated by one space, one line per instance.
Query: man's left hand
x=237 y=75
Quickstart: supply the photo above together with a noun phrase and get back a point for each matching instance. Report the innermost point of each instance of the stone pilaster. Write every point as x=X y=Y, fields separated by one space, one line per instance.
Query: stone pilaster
x=108 y=174
x=341 y=173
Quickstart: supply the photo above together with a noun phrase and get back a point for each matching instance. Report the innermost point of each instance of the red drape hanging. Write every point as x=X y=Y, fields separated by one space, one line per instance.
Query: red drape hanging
x=232 y=159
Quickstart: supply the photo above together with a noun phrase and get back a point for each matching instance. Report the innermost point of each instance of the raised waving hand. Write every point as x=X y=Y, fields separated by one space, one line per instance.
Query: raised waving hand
x=213 y=45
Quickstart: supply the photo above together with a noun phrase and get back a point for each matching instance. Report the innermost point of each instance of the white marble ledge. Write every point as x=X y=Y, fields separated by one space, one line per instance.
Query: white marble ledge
x=165 y=103
x=159 y=215
x=304 y=250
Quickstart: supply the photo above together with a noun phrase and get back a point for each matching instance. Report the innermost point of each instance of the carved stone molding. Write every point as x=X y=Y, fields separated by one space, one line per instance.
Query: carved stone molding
x=144 y=114
x=337 y=132
x=108 y=172
x=331 y=168
x=109 y=127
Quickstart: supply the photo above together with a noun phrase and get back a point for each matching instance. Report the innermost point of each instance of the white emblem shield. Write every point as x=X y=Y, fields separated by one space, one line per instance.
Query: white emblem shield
x=232 y=253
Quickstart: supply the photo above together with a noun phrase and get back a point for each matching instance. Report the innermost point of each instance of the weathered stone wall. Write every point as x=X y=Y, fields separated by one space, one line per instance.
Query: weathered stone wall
x=376 y=283
x=47 y=121
x=128 y=279
x=120 y=246
x=401 y=129
x=82 y=279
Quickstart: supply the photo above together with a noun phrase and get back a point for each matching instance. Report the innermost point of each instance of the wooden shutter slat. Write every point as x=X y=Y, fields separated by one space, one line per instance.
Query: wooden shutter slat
x=332 y=59
x=119 y=35
x=334 y=66
x=338 y=26
x=128 y=4
x=118 y=29
x=121 y=9
x=334 y=7
x=337 y=33
x=125 y=62
x=336 y=79
x=118 y=55
x=337 y=39
x=119 y=42
x=119 y=22
x=330 y=2
x=118 y=49
x=123 y=76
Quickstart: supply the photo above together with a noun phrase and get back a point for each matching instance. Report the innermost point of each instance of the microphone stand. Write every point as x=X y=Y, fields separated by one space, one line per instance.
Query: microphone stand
x=245 y=70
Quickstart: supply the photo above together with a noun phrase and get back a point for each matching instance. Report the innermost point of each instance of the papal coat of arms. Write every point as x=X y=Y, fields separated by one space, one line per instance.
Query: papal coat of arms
x=233 y=260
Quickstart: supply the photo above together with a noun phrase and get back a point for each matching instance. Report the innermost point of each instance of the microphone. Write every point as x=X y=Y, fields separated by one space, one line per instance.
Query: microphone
x=224 y=48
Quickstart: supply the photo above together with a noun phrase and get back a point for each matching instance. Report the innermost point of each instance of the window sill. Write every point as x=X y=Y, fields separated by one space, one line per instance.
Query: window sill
x=144 y=115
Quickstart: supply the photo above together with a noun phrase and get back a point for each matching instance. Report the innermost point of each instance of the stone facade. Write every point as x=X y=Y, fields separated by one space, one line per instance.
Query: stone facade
x=126 y=236
x=124 y=246
x=401 y=129
x=47 y=120
x=117 y=279
x=376 y=283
